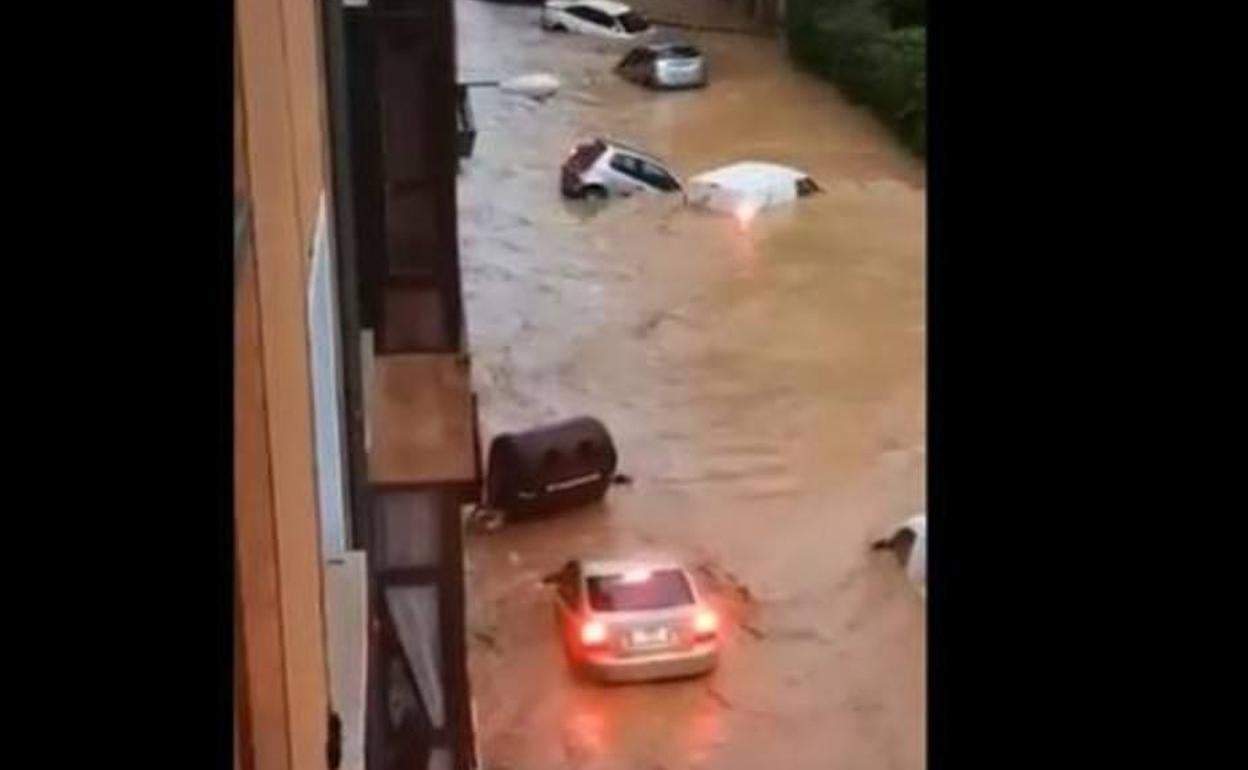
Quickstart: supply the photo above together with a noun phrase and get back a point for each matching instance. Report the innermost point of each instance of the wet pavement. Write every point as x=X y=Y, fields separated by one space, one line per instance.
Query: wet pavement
x=764 y=385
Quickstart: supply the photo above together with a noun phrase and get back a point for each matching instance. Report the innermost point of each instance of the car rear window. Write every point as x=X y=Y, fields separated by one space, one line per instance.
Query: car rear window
x=584 y=156
x=633 y=23
x=623 y=593
x=680 y=52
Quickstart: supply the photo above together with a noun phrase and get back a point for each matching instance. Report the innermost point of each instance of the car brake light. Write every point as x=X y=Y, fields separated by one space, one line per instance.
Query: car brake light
x=705 y=623
x=593 y=633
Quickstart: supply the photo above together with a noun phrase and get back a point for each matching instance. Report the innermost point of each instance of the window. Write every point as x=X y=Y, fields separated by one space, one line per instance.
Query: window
x=627 y=164
x=591 y=15
x=621 y=593
x=414 y=611
x=413 y=232
x=656 y=176
x=633 y=23
x=409 y=530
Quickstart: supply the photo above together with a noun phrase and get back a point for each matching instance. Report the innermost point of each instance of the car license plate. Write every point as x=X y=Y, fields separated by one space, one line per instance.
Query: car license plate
x=655 y=637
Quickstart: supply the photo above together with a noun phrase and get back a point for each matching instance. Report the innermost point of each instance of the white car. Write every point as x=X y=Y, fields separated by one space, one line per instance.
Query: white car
x=602 y=18
x=604 y=166
x=631 y=621
x=744 y=189
x=908 y=541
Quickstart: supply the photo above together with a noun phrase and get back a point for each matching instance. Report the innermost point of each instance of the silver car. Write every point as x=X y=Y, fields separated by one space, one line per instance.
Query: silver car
x=605 y=167
x=634 y=621
x=600 y=18
x=670 y=64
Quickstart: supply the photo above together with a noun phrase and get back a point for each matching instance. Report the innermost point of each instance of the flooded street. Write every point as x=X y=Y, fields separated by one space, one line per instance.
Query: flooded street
x=764 y=386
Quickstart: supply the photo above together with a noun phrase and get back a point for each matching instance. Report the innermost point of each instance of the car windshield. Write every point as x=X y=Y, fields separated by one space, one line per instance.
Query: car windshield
x=630 y=593
x=633 y=23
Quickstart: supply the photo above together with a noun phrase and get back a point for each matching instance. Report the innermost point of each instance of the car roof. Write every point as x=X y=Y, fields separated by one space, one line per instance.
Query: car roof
x=750 y=175
x=663 y=45
x=608 y=7
x=616 y=144
x=600 y=567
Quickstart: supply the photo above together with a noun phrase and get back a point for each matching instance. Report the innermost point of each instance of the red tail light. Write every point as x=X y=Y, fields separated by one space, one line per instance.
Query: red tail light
x=705 y=624
x=593 y=633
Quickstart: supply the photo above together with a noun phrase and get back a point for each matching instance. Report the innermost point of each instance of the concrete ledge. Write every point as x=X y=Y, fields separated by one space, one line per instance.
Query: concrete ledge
x=421 y=420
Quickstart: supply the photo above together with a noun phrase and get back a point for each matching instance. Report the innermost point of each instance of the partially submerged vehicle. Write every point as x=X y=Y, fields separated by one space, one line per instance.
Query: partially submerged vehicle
x=743 y=189
x=633 y=620
x=667 y=64
x=600 y=18
x=908 y=541
x=602 y=166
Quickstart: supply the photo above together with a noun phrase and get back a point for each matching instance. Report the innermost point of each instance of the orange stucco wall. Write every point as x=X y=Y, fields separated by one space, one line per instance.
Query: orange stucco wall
x=279 y=157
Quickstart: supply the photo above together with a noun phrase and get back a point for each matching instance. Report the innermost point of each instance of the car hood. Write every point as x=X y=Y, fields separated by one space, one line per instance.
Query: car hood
x=750 y=183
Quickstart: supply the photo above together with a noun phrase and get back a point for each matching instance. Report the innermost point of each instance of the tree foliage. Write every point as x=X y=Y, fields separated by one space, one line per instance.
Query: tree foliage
x=855 y=44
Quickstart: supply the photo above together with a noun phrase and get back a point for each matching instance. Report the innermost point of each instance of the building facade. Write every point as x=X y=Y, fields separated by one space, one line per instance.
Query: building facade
x=355 y=426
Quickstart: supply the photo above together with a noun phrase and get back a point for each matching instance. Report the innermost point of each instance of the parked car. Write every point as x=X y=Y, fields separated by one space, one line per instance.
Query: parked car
x=603 y=166
x=743 y=189
x=632 y=621
x=669 y=64
x=908 y=541
x=603 y=18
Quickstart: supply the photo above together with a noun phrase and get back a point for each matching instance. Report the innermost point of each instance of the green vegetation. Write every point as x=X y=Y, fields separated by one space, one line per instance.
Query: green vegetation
x=875 y=50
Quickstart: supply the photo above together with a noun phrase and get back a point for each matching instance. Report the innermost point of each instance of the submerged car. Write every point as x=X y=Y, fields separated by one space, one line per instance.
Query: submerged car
x=744 y=189
x=908 y=541
x=633 y=621
x=603 y=166
x=670 y=64
x=601 y=18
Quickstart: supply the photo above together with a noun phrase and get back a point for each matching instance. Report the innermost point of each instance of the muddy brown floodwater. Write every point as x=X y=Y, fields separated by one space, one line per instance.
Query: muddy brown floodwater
x=765 y=387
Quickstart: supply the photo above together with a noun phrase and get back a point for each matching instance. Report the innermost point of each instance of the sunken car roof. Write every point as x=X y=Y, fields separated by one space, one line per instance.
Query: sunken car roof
x=748 y=174
x=608 y=7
